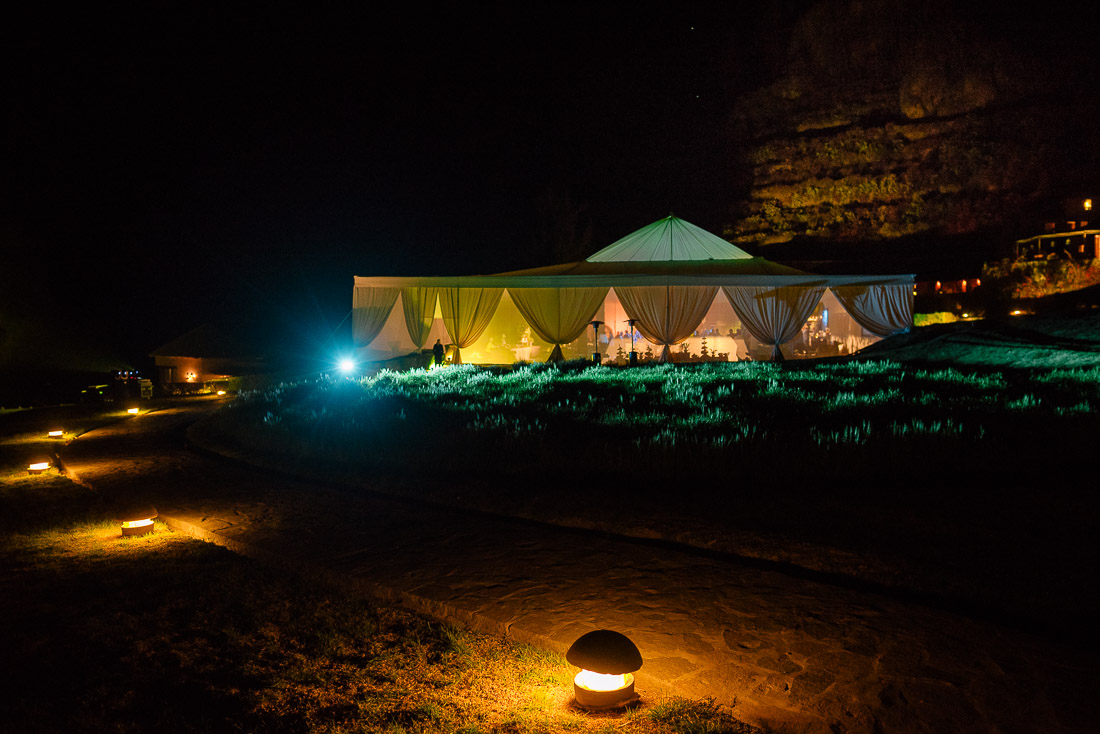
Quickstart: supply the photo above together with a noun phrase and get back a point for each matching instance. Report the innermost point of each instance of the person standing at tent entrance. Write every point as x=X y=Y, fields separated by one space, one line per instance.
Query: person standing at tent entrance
x=437 y=352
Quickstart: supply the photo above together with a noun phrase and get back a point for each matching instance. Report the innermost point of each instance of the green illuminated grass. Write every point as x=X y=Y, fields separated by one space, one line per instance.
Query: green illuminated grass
x=737 y=407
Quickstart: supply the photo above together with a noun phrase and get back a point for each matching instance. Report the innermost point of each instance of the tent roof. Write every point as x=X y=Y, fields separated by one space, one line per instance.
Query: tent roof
x=669 y=251
x=743 y=266
x=669 y=246
x=669 y=239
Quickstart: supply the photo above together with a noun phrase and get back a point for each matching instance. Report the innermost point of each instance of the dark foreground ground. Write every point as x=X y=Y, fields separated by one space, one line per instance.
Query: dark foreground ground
x=1000 y=528
x=795 y=633
x=786 y=650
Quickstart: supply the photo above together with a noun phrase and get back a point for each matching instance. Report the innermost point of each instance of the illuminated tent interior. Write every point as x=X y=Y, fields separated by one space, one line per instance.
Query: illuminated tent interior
x=672 y=290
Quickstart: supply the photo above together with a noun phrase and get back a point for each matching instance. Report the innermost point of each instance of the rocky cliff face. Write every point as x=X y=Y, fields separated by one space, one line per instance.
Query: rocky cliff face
x=888 y=120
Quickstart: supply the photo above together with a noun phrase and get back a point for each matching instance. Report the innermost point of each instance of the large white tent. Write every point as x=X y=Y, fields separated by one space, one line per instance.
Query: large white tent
x=669 y=283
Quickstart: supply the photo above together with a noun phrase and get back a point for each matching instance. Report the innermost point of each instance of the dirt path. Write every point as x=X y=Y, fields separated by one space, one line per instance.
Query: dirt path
x=789 y=654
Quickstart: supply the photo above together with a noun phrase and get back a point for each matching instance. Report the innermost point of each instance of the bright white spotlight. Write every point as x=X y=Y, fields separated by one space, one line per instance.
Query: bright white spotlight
x=347 y=366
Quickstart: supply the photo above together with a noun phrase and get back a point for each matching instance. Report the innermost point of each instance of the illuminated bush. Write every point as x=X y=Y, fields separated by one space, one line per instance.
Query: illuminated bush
x=938 y=317
x=1021 y=278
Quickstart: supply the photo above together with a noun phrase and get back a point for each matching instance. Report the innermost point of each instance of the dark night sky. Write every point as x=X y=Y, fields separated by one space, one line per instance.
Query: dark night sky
x=167 y=165
x=175 y=164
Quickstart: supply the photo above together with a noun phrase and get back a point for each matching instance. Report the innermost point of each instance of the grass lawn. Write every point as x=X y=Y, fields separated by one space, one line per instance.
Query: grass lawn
x=951 y=478
x=165 y=633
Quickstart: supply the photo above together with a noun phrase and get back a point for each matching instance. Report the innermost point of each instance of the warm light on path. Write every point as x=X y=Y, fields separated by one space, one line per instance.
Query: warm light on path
x=790 y=653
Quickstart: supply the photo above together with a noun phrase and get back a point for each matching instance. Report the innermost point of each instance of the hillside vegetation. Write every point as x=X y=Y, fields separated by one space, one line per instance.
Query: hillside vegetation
x=889 y=119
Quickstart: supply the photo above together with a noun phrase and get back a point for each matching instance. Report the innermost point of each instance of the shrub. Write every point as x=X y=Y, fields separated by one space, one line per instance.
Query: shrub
x=1021 y=278
x=939 y=317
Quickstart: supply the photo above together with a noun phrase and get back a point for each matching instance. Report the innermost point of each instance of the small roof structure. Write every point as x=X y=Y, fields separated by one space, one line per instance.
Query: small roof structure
x=204 y=340
x=670 y=252
x=207 y=341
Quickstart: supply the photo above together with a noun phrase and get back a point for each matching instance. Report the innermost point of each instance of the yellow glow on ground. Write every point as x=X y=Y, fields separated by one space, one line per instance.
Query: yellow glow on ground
x=92 y=540
x=35 y=438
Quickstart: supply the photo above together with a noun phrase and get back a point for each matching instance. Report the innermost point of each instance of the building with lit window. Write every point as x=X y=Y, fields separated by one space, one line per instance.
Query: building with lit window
x=1069 y=230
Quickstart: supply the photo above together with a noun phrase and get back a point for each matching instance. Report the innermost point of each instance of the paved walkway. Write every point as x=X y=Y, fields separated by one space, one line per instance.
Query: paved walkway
x=790 y=655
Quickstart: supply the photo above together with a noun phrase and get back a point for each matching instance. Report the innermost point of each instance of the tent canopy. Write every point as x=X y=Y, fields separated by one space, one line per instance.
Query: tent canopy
x=666 y=274
x=669 y=240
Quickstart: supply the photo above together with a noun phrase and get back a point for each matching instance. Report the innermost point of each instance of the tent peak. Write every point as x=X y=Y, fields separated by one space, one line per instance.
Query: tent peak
x=669 y=239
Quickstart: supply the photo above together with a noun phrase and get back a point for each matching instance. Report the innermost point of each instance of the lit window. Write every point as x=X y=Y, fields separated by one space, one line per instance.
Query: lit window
x=1088 y=205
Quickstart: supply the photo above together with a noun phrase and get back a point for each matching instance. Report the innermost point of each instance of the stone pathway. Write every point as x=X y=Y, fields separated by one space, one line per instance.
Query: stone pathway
x=789 y=655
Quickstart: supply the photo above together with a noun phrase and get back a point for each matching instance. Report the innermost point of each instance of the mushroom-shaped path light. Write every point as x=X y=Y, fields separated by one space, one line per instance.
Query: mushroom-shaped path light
x=607 y=660
x=137 y=519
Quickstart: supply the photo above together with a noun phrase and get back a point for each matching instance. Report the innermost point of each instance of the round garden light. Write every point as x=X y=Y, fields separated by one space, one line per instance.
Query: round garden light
x=38 y=467
x=607 y=660
x=55 y=434
x=132 y=411
x=137 y=520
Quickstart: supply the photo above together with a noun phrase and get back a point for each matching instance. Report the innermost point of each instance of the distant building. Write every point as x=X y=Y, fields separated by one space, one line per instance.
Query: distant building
x=204 y=355
x=1066 y=232
x=948 y=286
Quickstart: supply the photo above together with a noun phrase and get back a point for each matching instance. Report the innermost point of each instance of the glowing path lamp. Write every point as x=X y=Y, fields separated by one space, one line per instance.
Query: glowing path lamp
x=132 y=411
x=607 y=660
x=137 y=520
x=38 y=467
x=55 y=434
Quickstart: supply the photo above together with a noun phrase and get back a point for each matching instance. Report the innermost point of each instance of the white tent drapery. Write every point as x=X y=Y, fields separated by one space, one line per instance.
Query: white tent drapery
x=370 y=309
x=656 y=281
x=466 y=313
x=881 y=310
x=667 y=315
x=774 y=315
x=419 y=307
x=558 y=315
